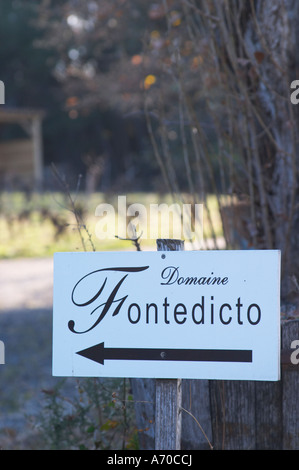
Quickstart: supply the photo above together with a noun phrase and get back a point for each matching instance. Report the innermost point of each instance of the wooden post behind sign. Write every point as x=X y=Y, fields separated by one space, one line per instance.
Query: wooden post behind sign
x=168 y=418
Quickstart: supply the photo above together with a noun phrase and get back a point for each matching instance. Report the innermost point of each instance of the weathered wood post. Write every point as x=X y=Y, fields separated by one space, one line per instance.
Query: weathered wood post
x=168 y=416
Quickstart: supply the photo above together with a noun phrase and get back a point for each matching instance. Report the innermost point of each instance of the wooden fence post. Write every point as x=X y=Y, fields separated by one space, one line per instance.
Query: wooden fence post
x=168 y=416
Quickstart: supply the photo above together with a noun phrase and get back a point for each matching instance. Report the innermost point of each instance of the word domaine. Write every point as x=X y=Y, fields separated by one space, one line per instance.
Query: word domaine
x=172 y=275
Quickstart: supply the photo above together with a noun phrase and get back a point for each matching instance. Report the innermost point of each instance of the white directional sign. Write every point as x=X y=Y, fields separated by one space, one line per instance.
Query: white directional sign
x=180 y=314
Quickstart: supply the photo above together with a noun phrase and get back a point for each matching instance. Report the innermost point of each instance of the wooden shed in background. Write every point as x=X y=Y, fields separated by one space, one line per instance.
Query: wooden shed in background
x=21 y=160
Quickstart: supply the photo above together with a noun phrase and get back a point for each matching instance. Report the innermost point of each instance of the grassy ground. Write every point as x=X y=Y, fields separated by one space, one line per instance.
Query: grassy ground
x=39 y=225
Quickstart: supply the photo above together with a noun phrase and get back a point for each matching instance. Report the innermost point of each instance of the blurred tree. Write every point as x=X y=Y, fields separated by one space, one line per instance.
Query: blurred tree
x=97 y=46
x=109 y=55
x=77 y=60
x=26 y=70
x=244 y=57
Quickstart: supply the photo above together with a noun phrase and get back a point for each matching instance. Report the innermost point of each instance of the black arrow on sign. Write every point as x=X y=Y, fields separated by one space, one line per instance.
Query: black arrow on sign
x=99 y=353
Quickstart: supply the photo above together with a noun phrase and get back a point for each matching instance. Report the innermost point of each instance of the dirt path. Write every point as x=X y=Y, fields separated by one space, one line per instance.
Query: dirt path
x=26 y=330
x=26 y=284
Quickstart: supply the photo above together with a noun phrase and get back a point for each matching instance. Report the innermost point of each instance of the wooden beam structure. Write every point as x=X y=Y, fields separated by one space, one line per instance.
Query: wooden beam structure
x=12 y=153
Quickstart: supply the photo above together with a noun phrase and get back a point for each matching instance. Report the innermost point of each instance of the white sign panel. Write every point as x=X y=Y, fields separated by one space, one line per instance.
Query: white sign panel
x=179 y=314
